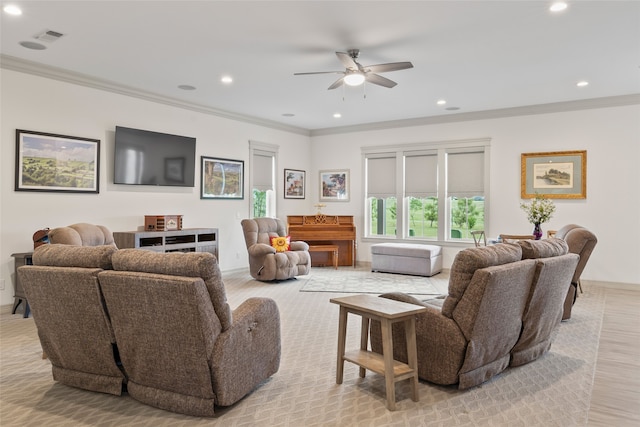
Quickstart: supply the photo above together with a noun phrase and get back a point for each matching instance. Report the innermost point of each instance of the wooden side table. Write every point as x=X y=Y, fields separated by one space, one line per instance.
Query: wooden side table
x=387 y=312
x=20 y=259
x=332 y=249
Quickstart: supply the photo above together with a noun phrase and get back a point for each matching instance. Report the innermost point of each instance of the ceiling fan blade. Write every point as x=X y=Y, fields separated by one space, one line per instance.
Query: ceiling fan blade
x=347 y=60
x=379 y=80
x=393 y=66
x=337 y=83
x=319 y=72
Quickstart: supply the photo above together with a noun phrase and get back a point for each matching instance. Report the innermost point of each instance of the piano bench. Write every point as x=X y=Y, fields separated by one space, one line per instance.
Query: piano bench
x=406 y=258
x=331 y=249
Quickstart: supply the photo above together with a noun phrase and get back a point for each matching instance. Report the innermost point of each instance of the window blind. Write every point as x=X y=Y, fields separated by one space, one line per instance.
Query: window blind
x=465 y=174
x=262 y=171
x=381 y=175
x=421 y=175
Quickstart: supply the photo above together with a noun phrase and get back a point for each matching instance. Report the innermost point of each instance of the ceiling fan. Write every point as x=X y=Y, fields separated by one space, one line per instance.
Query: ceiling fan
x=356 y=74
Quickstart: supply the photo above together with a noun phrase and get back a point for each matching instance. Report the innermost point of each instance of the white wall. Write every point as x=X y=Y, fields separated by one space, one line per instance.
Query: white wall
x=611 y=137
x=40 y=104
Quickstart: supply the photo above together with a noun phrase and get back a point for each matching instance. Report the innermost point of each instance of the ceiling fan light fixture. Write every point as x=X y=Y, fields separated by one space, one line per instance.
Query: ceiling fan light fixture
x=354 y=79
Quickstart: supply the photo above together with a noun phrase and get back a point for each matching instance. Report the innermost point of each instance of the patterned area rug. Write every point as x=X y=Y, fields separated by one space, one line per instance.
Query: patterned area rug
x=348 y=280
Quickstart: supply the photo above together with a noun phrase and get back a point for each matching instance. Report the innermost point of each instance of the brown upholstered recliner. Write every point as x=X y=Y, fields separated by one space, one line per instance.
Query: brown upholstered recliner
x=82 y=234
x=264 y=262
x=581 y=241
x=64 y=294
x=181 y=345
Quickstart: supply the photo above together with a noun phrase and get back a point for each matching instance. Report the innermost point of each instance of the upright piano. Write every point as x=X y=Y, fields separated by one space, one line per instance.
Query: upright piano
x=321 y=229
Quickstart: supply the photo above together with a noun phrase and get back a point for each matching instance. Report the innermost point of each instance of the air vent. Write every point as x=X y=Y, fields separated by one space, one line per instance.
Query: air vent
x=49 y=36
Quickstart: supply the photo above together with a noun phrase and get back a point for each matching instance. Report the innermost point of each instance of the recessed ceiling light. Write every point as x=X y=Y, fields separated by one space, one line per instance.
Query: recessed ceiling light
x=558 y=6
x=288 y=115
x=441 y=102
x=337 y=115
x=32 y=45
x=12 y=9
x=226 y=80
x=187 y=87
x=452 y=108
x=582 y=83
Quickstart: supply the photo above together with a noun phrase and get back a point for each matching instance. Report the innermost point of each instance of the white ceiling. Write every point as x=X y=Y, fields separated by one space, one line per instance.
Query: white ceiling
x=478 y=55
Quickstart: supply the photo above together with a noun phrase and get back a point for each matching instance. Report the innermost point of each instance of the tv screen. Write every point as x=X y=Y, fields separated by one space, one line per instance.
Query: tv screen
x=151 y=158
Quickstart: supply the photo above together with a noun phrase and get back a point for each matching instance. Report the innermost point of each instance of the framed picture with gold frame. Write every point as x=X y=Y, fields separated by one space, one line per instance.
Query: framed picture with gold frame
x=554 y=175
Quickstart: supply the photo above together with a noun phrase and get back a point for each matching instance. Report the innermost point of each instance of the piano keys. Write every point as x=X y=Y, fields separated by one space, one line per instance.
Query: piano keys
x=321 y=229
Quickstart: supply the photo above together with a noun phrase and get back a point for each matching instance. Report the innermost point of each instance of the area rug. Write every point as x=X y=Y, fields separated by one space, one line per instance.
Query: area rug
x=348 y=280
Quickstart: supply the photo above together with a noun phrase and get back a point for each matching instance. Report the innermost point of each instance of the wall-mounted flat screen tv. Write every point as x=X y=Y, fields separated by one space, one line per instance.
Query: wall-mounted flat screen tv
x=151 y=158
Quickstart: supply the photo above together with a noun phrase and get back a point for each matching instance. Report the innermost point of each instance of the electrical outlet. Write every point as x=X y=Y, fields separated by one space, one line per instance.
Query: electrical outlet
x=1 y=284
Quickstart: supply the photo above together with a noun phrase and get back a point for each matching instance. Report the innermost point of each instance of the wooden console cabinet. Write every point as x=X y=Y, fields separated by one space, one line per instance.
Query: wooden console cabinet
x=186 y=240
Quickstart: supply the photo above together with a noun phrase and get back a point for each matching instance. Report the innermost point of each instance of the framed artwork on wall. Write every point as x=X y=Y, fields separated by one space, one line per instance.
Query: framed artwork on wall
x=334 y=185
x=554 y=175
x=221 y=178
x=294 y=184
x=59 y=163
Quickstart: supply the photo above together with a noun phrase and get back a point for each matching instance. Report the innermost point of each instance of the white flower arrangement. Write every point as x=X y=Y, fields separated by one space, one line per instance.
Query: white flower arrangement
x=539 y=211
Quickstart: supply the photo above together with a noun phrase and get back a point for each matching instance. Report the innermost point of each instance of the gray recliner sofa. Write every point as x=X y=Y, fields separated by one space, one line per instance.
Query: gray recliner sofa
x=469 y=337
x=157 y=322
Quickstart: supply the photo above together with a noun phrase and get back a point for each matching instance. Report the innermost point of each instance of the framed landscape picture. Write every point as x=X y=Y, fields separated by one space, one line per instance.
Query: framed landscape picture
x=50 y=162
x=221 y=178
x=294 y=182
x=334 y=185
x=554 y=175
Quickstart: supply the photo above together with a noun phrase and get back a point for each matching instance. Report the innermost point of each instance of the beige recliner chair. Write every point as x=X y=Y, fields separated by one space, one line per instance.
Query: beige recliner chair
x=582 y=242
x=82 y=234
x=265 y=263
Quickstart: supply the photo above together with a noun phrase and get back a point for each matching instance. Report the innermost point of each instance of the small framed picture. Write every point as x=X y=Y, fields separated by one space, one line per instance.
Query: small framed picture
x=50 y=162
x=334 y=185
x=294 y=182
x=554 y=175
x=221 y=178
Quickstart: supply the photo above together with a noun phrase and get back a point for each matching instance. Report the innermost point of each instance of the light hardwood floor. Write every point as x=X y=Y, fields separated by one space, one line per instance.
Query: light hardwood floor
x=615 y=400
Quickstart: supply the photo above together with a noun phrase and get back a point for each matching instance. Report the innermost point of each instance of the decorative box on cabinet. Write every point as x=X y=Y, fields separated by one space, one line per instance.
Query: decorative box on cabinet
x=187 y=240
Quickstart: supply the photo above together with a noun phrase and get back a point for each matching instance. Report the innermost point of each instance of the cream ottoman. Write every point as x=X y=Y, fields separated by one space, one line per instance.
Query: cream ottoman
x=406 y=258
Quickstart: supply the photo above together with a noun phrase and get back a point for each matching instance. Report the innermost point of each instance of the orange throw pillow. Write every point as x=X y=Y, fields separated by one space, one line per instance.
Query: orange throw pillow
x=281 y=244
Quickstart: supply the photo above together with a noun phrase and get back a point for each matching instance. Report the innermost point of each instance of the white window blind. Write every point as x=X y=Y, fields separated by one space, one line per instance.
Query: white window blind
x=262 y=171
x=381 y=175
x=421 y=175
x=465 y=174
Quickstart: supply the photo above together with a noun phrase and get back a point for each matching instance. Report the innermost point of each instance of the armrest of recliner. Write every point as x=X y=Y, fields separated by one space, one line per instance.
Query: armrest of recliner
x=248 y=352
x=260 y=249
x=441 y=344
x=299 y=245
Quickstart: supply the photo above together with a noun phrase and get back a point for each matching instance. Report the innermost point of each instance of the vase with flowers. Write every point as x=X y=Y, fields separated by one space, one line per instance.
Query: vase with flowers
x=539 y=211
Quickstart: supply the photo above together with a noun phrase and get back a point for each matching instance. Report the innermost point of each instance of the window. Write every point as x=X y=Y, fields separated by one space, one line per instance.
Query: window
x=381 y=194
x=263 y=185
x=426 y=191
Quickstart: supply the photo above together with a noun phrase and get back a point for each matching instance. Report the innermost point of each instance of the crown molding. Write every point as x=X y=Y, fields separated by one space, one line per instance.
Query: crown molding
x=556 y=107
x=34 y=68
x=55 y=73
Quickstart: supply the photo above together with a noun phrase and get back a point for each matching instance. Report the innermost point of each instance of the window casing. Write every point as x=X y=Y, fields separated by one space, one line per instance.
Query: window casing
x=431 y=191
